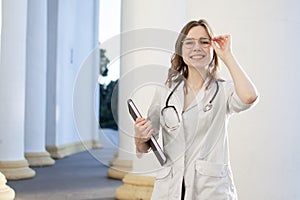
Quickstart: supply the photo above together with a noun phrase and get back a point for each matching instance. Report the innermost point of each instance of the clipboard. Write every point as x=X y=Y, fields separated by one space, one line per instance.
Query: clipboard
x=160 y=155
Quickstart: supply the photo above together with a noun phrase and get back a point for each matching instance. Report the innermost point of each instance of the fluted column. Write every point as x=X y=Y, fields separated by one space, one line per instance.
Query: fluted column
x=12 y=90
x=148 y=38
x=36 y=62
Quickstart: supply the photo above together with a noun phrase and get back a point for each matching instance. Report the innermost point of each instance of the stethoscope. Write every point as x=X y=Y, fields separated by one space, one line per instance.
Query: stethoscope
x=209 y=105
x=206 y=108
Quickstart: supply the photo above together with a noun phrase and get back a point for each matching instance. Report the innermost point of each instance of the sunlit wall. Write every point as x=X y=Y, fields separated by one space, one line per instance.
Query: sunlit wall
x=264 y=142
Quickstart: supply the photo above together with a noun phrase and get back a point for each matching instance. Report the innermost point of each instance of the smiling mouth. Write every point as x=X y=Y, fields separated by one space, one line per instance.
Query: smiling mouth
x=197 y=56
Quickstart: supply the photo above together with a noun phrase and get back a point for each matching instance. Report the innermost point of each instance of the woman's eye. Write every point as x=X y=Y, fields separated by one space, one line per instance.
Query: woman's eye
x=205 y=41
x=189 y=42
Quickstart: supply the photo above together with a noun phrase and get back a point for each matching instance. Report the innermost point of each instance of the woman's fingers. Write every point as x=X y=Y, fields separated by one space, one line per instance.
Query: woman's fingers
x=143 y=130
x=222 y=45
x=149 y=134
x=222 y=40
x=222 y=37
x=140 y=121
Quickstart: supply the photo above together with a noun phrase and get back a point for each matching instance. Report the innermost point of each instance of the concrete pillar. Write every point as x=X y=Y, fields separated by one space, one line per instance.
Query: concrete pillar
x=12 y=90
x=147 y=42
x=6 y=193
x=264 y=142
x=36 y=66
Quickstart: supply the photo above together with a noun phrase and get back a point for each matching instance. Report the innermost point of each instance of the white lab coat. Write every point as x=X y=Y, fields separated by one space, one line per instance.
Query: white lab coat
x=198 y=149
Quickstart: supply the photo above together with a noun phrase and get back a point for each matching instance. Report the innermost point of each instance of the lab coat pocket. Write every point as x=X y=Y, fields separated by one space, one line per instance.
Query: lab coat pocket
x=212 y=181
x=162 y=184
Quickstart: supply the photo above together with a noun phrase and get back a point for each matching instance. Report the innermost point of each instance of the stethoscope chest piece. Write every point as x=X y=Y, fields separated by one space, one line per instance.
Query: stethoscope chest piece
x=207 y=107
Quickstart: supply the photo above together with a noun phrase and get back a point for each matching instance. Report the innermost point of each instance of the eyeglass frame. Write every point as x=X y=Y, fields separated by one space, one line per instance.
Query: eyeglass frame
x=198 y=40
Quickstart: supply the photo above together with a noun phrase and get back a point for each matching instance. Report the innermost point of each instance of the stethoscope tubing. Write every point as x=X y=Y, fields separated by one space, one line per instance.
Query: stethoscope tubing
x=207 y=107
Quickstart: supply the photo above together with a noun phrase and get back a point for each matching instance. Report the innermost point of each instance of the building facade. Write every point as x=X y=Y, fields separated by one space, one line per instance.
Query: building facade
x=50 y=65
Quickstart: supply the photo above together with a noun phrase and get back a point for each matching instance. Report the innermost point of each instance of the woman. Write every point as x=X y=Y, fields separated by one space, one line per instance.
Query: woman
x=193 y=111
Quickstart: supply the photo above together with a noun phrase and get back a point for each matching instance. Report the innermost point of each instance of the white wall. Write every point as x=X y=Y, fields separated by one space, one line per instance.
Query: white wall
x=265 y=140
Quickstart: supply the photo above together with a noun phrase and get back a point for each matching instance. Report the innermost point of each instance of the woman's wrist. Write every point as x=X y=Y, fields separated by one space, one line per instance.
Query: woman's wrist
x=142 y=147
x=228 y=58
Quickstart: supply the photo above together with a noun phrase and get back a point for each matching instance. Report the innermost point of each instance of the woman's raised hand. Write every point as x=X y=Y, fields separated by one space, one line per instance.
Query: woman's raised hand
x=222 y=45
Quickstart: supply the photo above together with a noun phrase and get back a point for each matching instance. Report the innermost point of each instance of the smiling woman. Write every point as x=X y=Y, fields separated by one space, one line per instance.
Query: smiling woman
x=198 y=165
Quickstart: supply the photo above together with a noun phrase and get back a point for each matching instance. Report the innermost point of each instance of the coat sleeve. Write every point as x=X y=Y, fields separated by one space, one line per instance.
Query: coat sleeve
x=154 y=112
x=233 y=102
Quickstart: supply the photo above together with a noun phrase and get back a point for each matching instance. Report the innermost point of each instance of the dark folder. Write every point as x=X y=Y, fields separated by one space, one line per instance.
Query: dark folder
x=134 y=112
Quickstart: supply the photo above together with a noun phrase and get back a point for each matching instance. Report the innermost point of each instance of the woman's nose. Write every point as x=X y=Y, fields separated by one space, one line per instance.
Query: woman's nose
x=198 y=46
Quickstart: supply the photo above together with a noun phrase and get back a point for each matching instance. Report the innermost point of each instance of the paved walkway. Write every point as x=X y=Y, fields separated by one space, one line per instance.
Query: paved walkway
x=81 y=176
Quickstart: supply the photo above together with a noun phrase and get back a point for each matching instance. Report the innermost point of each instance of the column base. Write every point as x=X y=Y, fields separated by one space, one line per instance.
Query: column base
x=69 y=149
x=39 y=159
x=15 y=170
x=96 y=144
x=136 y=187
x=5 y=192
x=119 y=168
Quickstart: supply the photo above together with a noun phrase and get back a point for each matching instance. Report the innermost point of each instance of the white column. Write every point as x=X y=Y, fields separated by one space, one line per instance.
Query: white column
x=12 y=90
x=149 y=32
x=36 y=66
x=264 y=142
x=5 y=191
x=67 y=52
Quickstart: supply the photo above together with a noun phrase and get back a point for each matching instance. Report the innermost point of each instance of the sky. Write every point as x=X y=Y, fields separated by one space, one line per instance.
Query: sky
x=110 y=9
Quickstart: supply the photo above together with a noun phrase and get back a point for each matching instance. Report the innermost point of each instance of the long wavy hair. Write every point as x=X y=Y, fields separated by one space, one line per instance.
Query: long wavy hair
x=179 y=69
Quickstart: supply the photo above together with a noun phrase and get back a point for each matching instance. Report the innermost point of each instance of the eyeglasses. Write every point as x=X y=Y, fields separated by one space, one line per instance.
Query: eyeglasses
x=191 y=42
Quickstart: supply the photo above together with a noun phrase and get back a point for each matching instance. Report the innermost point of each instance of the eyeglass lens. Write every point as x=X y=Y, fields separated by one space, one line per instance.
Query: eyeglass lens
x=191 y=42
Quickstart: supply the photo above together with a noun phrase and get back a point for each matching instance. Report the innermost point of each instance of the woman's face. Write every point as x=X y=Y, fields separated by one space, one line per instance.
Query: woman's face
x=196 y=48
